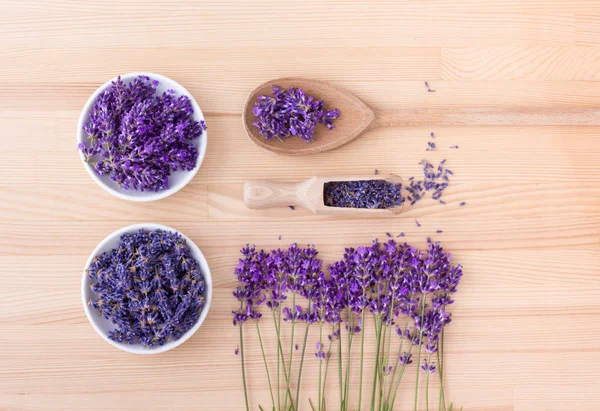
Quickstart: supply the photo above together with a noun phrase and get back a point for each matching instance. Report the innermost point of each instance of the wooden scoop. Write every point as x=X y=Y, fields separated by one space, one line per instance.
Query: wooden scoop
x=356 y=117
x=260 y=194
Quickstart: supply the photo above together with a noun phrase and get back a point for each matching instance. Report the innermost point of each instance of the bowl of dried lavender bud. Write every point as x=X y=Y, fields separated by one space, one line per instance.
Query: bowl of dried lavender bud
x=146 y=288
x=141 y=136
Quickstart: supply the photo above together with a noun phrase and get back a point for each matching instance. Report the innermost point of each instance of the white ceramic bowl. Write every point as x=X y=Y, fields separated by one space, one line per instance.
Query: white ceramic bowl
x=178 y=179
x=103 y=326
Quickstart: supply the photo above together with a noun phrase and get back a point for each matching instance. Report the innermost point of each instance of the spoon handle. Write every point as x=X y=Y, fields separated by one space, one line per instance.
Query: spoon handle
x=481 y=116
x=260 y=194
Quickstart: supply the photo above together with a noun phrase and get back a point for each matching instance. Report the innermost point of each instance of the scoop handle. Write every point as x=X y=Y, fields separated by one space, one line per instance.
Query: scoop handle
x=262 y=194
x=487 y=116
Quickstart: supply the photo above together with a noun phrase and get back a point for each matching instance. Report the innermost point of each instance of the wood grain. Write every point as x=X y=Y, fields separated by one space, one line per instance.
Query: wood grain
x=526 y=329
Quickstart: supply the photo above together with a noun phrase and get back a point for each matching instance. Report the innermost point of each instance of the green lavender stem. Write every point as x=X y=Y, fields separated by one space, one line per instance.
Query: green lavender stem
x=376 y=373
x=243 y=368
x=440 y=356
x=302 y=362
x=320 y=362
x=419 y=354
x=347 y=379
x=289 y=375
x=362 y=357
x=326 y=369
x=281 y=358
x=391 y=406
x=262 y=349
x=387 y=401
x=427 y=387
x=387 y=354
x=340 y=363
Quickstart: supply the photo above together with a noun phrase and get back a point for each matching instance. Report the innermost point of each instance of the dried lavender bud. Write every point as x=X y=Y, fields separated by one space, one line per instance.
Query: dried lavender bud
x=462 y=203
x=363 y=194
x=139 y=138
x=439 y=231
x=389 y=235
x=150 y=287
x=432 y=135
x=453 y=146
x=292 y=208
x=236 y=351
x=291 y=112
x=401 y=235
x=376 y=172
x=429 y=88
x=431 y=146
x=417 y=223
x=435 y=179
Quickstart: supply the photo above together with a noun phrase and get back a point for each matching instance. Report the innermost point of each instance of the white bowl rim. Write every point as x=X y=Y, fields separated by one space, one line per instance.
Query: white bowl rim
x=149 y=196
x=138 y=348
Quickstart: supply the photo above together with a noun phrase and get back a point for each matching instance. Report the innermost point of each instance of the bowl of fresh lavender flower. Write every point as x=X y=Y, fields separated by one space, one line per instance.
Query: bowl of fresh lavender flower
x=141 y=136
x=146 y=288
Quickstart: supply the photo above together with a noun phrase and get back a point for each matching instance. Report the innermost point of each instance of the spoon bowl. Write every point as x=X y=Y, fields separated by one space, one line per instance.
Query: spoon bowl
x=355 y=117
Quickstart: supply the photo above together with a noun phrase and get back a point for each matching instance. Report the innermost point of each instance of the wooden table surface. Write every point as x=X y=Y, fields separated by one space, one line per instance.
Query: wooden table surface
x=526 y=330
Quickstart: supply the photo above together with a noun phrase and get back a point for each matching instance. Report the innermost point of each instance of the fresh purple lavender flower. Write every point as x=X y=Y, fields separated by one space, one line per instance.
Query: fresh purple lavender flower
x=291 y=112
x=138 y=138
x=405 y=358
x=363 y=194
x=150 y=287
x=428 y=368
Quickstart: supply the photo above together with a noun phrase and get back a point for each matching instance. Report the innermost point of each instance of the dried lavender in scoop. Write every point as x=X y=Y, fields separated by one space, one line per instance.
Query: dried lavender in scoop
x=363 y=194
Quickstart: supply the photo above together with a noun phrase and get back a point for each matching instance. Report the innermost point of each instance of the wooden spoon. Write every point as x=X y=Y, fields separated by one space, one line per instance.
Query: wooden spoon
x=356 y=117
x=260 y=194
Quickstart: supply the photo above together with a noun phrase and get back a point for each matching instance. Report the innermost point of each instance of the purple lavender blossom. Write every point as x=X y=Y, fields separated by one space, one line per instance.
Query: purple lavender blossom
x=150 y=287
x=291 y=112
x=363 y=194
x=428 y=368
x=138 y=138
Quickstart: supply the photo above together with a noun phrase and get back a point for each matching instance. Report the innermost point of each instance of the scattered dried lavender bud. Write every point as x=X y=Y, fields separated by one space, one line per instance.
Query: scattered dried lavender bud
x=296 y=347
x=453 y=146
x=432 y=135
x=363 y=194
x=292 y=207
x=376 y=172
x=138 y=138
x=439 y=231
x=388 y=234
x=236 y=351
x=150 y=287
x=429 y=88
x=462 y=204
x=279 y=237
x=431 y=146
x=418 y=224
x=400 y=235
x=442 y=202
x=291 y=112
